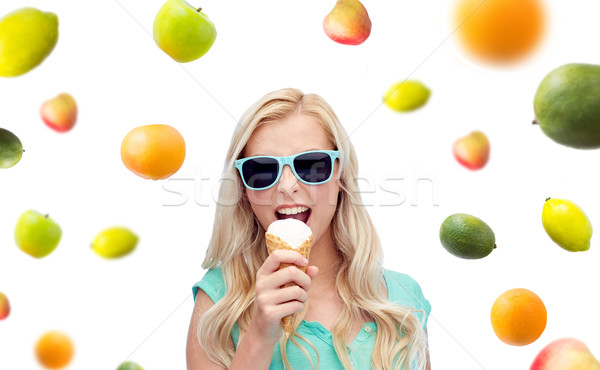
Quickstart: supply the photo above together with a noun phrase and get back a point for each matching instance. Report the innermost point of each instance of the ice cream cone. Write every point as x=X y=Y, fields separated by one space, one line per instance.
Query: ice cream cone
x=274 y=242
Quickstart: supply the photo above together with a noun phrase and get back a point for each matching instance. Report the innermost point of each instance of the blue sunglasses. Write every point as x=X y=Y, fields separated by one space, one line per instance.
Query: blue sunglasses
x=312 y=168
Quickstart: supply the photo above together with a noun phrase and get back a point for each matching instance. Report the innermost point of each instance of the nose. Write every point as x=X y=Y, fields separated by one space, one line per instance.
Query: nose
x=287 y=182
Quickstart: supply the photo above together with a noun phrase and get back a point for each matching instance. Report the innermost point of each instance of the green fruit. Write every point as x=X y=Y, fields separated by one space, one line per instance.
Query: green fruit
x=11 y=149
x=406 y=96
x=37 y=234
x=567 y=105
x=182 y=31
x=128 y=365
x=567 y=225
x=27 y=37
x=466 y=236
x=115 y=242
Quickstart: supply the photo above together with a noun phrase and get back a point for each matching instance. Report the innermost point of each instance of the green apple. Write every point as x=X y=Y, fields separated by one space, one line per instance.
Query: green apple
x=129 y=365
x=37 y=234
x=27 y=37
x=114 y=242
x=182 y=31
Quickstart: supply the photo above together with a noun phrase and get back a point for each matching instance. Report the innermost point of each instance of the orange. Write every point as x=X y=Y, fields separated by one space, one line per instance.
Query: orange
x=518 y=317
x=153 y=151
x=54 y=350
x=500 y=31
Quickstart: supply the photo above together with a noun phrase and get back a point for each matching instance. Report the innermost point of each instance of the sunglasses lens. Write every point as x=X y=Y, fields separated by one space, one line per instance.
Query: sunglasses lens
x=260 y=172
x=313 y=167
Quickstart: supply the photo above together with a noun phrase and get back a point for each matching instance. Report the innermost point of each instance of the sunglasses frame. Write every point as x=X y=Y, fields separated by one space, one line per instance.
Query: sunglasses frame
x=289 y=160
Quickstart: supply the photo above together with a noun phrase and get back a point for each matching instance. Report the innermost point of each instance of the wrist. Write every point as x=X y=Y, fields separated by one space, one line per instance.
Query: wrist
x=259 y=337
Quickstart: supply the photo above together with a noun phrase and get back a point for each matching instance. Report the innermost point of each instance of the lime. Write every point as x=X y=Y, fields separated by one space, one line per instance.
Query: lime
x=567 y=225
x=406 y=96
x=11 y=149
x=467 y=236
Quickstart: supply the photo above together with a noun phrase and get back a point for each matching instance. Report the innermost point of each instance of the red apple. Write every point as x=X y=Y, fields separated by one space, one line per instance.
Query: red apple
x=473 y=150
x=565 y=354
x=348 y=23
x=60 y=112
x=4 y=307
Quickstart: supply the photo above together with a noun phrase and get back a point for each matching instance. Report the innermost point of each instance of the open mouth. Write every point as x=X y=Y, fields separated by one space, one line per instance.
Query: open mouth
x=299 y=213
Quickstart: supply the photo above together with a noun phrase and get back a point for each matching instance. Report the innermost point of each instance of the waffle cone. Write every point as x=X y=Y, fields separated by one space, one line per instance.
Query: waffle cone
x=274 y=243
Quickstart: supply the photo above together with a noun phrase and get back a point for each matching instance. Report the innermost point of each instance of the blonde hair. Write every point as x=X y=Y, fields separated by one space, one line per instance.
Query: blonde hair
x=238 y=247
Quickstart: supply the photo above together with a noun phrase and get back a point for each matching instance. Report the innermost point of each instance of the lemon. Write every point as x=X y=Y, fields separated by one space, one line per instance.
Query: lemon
x=27 y=37
x=567 y=225
x=406 y=96
x=114 y=242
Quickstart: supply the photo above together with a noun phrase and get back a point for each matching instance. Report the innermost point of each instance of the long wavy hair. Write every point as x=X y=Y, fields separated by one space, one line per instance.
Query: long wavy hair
x=237 y=246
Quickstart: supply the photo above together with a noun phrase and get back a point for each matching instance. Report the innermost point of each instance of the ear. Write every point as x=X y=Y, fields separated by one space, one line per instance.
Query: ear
x=245 y=195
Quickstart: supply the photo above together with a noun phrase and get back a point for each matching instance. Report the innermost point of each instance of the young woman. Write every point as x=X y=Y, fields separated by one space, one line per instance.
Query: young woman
x=290 y=157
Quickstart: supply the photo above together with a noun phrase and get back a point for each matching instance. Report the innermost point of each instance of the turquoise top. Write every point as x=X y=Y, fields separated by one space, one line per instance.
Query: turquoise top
x=402 y=289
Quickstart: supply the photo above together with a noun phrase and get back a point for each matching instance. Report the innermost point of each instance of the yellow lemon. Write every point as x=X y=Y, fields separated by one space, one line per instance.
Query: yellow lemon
x=406 y=96
x=567 y=225
x=27 y=37
x=115 y=242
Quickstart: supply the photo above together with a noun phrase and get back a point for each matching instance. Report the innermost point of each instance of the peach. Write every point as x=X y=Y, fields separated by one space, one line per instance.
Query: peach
x=473 y=150
x=348 y=23
x=60 y=112
x=4 y=306
x=565 y=354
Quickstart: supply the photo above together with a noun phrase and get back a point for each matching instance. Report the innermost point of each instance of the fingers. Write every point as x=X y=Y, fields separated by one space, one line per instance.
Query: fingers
x=312 y=271
x=278 y=257
x=283 y=301
x=288 y=275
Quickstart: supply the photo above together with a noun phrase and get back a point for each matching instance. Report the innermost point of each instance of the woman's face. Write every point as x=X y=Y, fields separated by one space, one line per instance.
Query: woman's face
x=295 y=134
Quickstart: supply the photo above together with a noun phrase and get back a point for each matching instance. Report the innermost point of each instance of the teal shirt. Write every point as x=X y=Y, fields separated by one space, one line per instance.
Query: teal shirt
x=402 y=289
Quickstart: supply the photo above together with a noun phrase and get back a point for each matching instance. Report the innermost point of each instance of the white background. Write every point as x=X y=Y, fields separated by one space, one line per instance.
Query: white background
x=138 y=308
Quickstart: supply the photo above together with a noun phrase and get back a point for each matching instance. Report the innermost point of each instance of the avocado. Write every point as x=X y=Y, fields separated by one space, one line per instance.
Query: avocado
x=567 y=105
x=11 y=149
x=467 y=236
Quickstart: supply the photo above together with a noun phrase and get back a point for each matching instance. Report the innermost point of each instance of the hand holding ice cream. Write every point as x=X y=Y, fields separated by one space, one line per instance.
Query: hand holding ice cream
x=289 y=234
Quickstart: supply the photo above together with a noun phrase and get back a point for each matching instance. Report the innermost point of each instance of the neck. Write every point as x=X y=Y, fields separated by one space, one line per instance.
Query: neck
x=324 y=255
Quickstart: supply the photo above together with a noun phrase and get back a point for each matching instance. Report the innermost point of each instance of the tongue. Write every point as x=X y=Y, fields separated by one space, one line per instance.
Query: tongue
x=302 y=216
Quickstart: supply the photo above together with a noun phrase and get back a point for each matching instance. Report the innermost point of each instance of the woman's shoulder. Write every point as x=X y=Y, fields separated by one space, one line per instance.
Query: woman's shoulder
x=212 y=284
x=405 y=291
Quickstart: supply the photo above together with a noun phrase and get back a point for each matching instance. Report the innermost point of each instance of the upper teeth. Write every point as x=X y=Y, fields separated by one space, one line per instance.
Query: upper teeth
x=292 y=210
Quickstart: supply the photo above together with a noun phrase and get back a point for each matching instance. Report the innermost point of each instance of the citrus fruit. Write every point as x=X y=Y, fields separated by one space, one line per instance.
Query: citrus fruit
x=114 y=242
x=4 y=306
x=567 y=225
x=153 y=151
x=518 y=317
x=54 y=350
x=467 y=236
x=129 y=365
x=27 y=37
x=499 y=31
x=11 y=149
x=406 y=96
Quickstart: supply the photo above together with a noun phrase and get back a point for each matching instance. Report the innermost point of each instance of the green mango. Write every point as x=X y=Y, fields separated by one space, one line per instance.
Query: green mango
x=27 y=37
x=11 y=149
x=567 y=105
